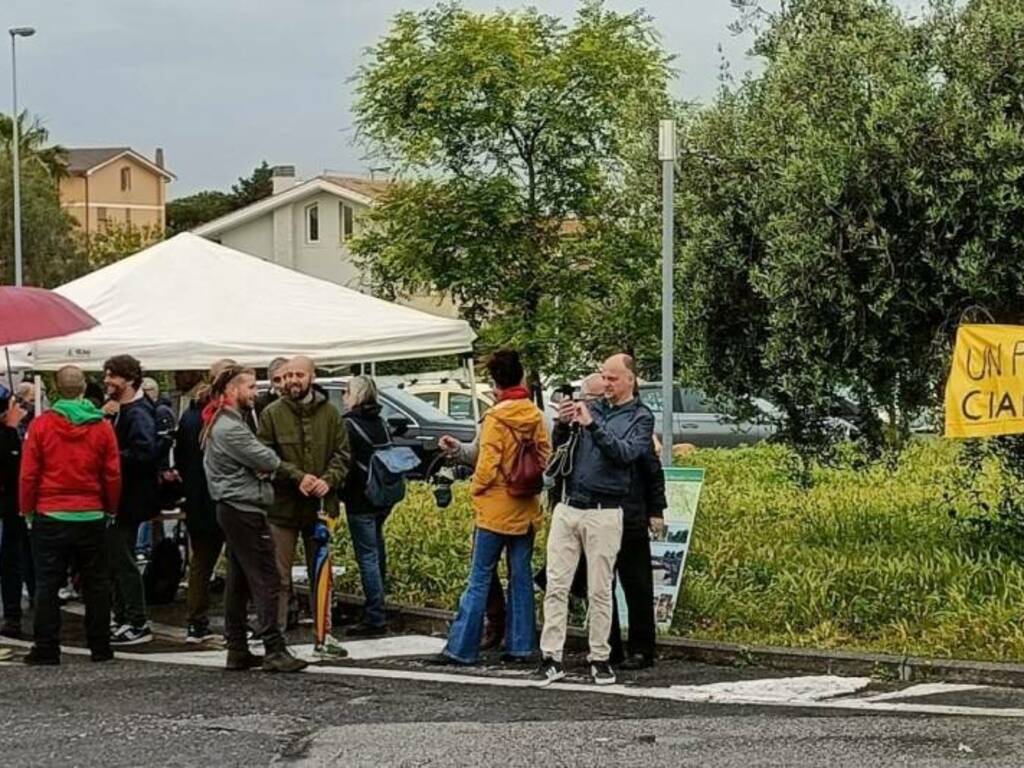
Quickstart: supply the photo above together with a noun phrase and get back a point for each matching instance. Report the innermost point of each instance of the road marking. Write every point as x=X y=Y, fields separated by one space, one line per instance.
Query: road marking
x=716 y=693
x=924 y=689
x=693 y=694
x=804 y=689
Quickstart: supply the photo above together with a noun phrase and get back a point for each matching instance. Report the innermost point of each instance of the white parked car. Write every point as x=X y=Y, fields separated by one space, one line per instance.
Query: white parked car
x=451 y=397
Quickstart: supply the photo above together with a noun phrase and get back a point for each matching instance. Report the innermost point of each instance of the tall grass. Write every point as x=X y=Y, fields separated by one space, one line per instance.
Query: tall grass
x=867 y=557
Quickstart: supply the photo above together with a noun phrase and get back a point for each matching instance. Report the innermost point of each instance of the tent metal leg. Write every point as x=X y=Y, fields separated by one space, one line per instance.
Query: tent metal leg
x=471 y=375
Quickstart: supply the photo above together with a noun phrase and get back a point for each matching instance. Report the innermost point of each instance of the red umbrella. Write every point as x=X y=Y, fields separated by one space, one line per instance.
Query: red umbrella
x=32 y=314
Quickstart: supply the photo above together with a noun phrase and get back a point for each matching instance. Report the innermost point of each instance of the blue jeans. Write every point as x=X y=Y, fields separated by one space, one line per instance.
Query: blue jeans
x=520 y=629
x=368 y=540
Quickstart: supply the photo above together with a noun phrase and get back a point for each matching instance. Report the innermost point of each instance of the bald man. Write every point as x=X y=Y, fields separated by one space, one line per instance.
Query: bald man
x=71 y=486
x=610 y=435
x=307 y=432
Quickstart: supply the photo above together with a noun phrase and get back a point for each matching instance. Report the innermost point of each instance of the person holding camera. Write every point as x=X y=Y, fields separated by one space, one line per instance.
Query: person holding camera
x=465 y=455
x=506 y=487
x=607 y=438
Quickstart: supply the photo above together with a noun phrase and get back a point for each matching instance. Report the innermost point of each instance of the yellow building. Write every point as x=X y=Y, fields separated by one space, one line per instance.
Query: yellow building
x=108 y=185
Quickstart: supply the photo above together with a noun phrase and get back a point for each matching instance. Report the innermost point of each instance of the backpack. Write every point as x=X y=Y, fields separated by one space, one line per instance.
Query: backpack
x=385 y=475
x=164 y=571
x=526 y=477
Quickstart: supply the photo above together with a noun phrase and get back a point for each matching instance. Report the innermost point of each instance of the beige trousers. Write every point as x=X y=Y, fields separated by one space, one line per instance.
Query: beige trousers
x=285 y=542
x=598 y=534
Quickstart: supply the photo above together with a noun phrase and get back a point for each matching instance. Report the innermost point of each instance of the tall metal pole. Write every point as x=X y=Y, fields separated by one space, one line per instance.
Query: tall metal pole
x=16 y=32
x=15 y=141
x=667 y=155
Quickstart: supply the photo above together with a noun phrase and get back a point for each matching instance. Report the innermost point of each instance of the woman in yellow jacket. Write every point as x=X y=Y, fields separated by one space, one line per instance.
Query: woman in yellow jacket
x=502 y=520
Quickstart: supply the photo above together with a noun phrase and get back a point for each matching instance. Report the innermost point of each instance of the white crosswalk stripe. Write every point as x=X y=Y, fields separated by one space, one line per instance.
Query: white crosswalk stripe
x=824 y=692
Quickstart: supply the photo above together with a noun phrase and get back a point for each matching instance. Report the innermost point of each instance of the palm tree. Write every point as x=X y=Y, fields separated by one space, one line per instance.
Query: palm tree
x=32 y=141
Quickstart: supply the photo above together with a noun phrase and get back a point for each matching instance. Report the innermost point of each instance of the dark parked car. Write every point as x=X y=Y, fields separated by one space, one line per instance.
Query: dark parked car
x=412 y=421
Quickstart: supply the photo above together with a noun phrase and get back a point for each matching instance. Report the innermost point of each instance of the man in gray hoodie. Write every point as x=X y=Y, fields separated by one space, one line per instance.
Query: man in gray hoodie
x=239 y=469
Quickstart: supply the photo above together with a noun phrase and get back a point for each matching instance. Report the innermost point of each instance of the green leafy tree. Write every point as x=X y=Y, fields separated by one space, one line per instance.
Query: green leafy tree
x=253 y=188
x=48 y=248
x=34 y=145
x=113 y=243
x=842 y=209
x=508 y=129
x=189 y=212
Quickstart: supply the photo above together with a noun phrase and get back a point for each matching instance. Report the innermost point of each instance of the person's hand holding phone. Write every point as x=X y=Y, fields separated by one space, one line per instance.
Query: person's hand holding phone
x=583 y=415
x=566 y=411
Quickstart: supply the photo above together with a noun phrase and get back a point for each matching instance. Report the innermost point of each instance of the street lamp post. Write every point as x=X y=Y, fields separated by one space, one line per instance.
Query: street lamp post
x=15 y=33
x=667 y=155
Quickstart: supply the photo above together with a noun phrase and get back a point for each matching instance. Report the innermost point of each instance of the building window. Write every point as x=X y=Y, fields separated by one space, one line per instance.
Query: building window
x=347 y=223
x=101 y=219
x=313 y=223
x=126 y=179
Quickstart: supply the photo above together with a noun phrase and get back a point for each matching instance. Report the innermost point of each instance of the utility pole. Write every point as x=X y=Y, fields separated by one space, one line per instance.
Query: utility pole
x=667 y=155
x=15 y=33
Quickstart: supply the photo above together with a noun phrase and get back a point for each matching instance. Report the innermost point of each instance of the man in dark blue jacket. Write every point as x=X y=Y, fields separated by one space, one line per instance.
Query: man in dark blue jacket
x=134 y=419
x=609 y=436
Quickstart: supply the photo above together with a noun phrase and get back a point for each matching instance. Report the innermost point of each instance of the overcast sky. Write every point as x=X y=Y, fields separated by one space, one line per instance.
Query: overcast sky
x=223 y=84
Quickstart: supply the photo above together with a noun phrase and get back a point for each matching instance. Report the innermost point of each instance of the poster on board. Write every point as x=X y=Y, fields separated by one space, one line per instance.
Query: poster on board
x=669 y=549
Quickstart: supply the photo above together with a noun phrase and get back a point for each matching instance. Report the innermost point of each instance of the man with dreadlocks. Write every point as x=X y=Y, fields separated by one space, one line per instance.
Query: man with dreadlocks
x=239 y=470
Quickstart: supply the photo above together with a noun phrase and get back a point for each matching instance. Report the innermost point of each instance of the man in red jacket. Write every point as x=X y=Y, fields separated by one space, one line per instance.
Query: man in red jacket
x=70 y=484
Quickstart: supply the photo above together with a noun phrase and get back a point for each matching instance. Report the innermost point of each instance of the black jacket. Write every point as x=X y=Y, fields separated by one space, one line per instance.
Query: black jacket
x=263 y=399
x=164 y=416
x=10 y=465
x=353 y=494
x=646 y=497
x=135 y=425
x=602 y=471
x=200 y=508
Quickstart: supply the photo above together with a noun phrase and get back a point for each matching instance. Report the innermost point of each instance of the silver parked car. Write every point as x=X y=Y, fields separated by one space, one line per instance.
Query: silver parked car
x=697 y=421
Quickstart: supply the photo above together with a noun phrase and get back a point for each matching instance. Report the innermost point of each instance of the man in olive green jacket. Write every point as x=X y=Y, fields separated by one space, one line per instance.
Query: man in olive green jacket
x=308 y=433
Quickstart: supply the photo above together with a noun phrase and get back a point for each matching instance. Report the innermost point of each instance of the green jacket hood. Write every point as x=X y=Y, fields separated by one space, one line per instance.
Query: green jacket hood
x=78 y=411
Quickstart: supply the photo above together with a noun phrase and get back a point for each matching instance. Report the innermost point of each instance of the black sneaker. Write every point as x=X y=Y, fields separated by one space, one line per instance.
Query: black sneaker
x=441 y=660
x=636 y=661
x=199 y=633
x=37 y=658
x=508 y=658
x=363 y=629
x=102 y=654
x=548 y=672
x=602 y=673
x=129 y=635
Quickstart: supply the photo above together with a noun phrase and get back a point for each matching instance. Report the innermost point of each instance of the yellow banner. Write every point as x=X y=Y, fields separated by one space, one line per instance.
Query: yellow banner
x=985 y=391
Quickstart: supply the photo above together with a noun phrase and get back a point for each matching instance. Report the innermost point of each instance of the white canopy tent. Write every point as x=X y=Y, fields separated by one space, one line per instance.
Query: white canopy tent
x=186 y=302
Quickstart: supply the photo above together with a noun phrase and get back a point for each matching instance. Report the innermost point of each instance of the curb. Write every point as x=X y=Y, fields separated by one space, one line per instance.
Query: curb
x=878 y=665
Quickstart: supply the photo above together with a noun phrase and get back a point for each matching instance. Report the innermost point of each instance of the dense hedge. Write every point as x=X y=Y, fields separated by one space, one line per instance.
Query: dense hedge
x=869 y=556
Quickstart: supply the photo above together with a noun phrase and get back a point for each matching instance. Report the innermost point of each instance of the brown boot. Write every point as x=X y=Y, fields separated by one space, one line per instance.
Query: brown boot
x=283 y=661
x=493 y=635
x=239 y=661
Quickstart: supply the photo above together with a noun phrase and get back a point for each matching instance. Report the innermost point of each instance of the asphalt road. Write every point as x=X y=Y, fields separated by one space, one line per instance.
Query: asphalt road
x=171 y=706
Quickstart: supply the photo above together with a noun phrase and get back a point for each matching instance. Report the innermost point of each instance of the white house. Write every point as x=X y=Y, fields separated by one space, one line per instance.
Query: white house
x=307 y=226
